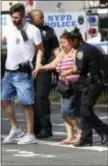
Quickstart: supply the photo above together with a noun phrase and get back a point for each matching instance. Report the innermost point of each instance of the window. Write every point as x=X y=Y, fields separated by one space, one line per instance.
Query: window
x=103 y=27
x=103 y=22
x=103 y=1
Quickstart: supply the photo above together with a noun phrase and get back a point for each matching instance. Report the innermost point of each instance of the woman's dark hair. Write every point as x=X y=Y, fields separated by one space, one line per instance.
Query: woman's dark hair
x=19 y=7
x=76 y=34
x=66 y=35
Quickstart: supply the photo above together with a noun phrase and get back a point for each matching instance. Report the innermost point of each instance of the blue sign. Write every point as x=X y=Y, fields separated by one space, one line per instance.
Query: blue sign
x=4 y=20
x=59 y=21
x=28 y=19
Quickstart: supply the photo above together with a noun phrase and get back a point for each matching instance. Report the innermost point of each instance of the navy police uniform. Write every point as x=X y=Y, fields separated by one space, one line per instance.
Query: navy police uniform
x=88 y=61
x=43 y=126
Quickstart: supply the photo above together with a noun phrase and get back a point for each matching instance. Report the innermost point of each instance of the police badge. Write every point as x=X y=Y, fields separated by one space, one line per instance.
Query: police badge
x=44 y=33
x=80 y=55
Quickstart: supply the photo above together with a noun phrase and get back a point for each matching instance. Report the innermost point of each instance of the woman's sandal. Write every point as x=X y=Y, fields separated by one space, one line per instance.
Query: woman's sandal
x=66 y=141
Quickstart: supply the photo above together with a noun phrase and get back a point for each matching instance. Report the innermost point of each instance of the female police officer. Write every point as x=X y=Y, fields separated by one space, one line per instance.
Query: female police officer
x=88 y=64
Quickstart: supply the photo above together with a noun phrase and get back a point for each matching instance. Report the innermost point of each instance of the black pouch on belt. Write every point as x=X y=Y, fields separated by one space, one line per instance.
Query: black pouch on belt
x=25 y=67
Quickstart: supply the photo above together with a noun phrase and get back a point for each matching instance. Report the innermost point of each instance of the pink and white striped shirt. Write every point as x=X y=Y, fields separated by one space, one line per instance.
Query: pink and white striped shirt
x=67 y=62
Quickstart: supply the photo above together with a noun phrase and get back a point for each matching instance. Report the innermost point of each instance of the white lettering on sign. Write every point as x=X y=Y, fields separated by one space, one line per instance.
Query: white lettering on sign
x=58 y=21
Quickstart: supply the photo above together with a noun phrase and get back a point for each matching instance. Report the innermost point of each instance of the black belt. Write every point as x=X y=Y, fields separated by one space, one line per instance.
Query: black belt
x=17 y=70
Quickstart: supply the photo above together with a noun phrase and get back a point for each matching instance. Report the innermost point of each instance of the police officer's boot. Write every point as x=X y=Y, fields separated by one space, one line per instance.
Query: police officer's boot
x=45 y=133
x=86 y=142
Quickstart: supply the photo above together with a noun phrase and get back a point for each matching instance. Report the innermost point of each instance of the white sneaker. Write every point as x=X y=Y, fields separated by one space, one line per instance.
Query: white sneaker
x=13 y=135
x=27 y=139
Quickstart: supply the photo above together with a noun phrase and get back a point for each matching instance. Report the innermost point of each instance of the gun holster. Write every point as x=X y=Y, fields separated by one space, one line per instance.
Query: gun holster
x=25 y=67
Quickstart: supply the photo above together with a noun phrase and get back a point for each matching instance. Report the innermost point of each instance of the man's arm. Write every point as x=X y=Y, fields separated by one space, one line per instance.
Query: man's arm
x=50 y=66
x=56 y=51
x=39 y=55
x=39 y=47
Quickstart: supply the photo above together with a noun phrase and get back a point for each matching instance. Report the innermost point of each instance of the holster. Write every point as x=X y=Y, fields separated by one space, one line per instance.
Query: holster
x=25 y=67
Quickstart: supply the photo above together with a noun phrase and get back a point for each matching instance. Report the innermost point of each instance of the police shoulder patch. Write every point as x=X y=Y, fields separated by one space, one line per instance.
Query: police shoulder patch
x=80 y=55
x=44 y=33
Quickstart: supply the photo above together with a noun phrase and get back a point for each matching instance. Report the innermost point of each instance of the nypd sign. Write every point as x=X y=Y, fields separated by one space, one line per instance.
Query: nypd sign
x=63 y=20
x=66 y=21
x=58 y=21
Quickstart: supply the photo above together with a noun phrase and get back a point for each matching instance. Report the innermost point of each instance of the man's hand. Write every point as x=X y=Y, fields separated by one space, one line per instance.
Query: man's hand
x=36 y=70
x=38 y=66
x=35 y=73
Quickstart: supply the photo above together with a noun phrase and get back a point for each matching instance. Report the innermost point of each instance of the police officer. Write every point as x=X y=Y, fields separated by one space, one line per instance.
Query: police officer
x=43 y=126
x=88 y=64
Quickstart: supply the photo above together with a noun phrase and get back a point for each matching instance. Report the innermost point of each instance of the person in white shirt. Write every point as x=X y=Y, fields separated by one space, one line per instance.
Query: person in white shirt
x=23 y=40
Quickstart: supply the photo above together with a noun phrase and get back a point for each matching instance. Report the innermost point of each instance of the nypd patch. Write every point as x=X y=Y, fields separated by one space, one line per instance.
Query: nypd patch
x=44 y=33
x=80 y=55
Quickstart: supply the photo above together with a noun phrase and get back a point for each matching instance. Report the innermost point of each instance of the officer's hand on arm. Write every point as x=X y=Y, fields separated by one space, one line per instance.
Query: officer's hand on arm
x=79 y=65
x=73 y=70
x=66 y=72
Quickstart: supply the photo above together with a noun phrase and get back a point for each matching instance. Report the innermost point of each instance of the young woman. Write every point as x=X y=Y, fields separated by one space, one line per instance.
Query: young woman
x=64 y=63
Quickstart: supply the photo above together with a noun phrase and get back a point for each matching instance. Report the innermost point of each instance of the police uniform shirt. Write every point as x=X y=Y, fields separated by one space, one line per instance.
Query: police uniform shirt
x=50 y=42
x=88 y=59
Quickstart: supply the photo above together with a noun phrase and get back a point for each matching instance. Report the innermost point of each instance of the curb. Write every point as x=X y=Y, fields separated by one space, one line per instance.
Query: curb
x=97 y=107
x=101 y=107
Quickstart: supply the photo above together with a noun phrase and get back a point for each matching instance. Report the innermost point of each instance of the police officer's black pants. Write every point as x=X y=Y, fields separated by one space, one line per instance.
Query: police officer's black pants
x=89 y=119
x=42 y=106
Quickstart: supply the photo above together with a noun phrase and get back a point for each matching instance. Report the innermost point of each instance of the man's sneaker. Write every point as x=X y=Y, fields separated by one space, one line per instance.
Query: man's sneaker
x=27 y=139
x=13 y=135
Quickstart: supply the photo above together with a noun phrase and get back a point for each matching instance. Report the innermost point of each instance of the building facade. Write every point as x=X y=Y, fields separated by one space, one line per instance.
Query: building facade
x=52 y=6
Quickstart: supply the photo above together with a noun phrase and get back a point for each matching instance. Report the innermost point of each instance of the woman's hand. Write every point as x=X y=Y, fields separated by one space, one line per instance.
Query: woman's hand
x=64 y=73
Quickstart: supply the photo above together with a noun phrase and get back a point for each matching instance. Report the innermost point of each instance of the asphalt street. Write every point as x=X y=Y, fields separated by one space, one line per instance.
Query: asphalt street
x=47 y=152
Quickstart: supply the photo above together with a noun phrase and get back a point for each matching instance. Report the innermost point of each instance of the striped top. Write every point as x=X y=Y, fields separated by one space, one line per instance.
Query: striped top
x=67 y=62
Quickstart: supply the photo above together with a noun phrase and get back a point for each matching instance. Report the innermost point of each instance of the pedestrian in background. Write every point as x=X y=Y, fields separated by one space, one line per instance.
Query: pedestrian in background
x=42 y=118
x=22 y=40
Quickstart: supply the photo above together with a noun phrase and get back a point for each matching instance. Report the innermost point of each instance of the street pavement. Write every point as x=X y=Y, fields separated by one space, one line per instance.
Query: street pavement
x=47 y=152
